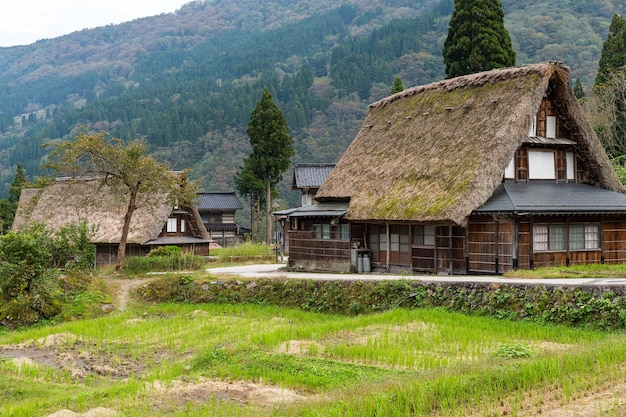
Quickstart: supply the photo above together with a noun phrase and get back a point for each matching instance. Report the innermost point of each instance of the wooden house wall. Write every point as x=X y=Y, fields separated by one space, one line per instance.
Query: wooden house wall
x=612 y=243
x=318 y=254
x=614 y=240
x=524 y=246
x=106 y=253
x=491 y=245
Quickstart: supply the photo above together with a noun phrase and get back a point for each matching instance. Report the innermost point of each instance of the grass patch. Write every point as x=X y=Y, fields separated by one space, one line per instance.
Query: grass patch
x=223 y=360
x=177 y=262
x=244 y=252
x=575 y=271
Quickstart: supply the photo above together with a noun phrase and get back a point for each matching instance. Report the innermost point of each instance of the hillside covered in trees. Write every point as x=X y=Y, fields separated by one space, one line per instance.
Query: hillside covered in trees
x=187 y=81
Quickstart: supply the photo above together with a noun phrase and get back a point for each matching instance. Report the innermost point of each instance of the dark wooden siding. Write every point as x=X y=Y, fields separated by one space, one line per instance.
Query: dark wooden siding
x=320 y=254
x=491 y=246
x=458 y=250
x=424 y=259
x=525 y=245
x=614 y=236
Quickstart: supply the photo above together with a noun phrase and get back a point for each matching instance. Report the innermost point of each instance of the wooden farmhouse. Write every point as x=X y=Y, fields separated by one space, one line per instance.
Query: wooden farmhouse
x=154 y=223
x=484 y=173
x=217 y=210
x=308 y=178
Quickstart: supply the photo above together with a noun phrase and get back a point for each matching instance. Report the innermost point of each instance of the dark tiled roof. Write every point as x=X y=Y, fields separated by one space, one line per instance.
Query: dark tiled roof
x=221 y=226
x=551 y=197
x=317 y=210
x=177 y=240
x=219 y=201
x=310 y=175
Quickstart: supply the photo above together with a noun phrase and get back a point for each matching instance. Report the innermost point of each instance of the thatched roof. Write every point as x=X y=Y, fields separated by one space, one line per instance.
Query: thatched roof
x=438 y=151
x=68 y=201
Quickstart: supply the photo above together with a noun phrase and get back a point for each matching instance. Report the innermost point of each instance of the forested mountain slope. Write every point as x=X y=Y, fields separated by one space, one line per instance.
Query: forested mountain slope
x=187 y=81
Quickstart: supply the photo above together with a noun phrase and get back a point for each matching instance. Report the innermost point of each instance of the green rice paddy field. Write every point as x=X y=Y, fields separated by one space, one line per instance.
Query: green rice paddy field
x=225 y=360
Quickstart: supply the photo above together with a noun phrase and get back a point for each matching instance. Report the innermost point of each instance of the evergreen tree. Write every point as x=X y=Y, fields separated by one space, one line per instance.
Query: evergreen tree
x=272 y=149
x=613 y=54
x=17 y=184
x=578 y=90
x=477 y=39
x=397 y=86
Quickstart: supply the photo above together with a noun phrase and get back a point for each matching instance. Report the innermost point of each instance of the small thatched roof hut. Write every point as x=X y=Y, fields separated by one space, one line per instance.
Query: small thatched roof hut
x=437 y=152
x=73 y=200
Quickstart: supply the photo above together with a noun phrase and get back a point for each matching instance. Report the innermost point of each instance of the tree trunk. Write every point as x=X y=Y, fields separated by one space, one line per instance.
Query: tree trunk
x=268 y=213
x=251 y=219
x=121 y=252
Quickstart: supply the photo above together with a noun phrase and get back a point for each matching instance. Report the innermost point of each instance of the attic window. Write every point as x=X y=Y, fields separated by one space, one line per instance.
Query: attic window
x=509 y=172
x=551 y=126
x=172 y=225
x=570 y=165
x=541 y=165
x=532 y=132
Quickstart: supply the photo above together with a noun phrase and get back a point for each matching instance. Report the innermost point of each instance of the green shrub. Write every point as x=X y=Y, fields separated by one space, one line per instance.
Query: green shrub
x=166 y=251
x=30 y=287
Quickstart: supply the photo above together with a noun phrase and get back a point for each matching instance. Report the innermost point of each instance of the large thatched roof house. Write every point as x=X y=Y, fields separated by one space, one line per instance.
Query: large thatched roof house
x=74 y=200
x=481 y=173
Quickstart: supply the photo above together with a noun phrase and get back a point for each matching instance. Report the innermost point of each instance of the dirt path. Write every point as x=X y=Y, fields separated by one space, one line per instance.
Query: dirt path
x=121 y=288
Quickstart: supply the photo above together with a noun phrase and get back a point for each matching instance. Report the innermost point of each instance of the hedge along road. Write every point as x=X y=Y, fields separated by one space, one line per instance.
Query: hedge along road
x=276 y=270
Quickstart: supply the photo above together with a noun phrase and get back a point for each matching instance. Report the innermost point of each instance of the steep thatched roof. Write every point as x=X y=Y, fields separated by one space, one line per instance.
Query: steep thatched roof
x=438 y=151
x=70 y=201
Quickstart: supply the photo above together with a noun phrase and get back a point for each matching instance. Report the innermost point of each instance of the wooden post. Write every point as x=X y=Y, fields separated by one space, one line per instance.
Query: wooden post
x=251 y=220
x=388 y=247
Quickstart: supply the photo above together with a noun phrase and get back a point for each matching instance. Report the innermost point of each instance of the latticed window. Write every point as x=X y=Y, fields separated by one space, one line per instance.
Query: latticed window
x=553 y=237
x=331 y=231
x=557 y=237
x=424 y=235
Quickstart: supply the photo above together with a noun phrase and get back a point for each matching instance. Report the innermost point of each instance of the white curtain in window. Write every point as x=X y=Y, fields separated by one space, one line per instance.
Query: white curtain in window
x=171 y=226
x=592 y=240
x=540 y=238
x=541 y=165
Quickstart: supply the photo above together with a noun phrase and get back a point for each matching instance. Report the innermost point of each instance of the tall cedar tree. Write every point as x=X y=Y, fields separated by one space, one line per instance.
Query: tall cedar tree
x=578 y=90
x=16 y=186
x=272 y=149
x=9 y=206
x=477 y=39
x=126 y=168
x=397 y=85
x=613 y=54
x=608 y=100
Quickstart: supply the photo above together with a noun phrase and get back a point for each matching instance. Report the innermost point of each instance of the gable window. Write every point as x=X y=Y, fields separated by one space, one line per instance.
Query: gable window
x=182 y=225
x=551 y=126
x=569 y=157
x=215 y=217
x=549 y=238
x=172 y=225
x=532 y=132
x=541 y=165
x=509 y=172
